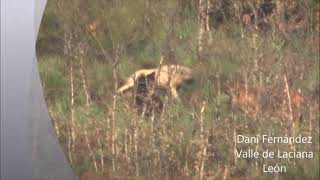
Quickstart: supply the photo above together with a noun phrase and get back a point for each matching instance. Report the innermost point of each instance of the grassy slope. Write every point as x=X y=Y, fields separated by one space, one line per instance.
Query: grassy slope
x=171 y=145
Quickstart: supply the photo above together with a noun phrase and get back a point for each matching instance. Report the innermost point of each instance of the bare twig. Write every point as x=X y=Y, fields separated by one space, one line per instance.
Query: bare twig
x=90 y=150
x=101 y=153
x=81 y=52
x=289 y=104
x=225 y=172
x=67 y=50
x=84 y=83
x=202 y=11
x=204 y=140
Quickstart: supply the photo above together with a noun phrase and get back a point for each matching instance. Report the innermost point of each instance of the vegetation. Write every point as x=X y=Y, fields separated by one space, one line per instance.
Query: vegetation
x=86 y=49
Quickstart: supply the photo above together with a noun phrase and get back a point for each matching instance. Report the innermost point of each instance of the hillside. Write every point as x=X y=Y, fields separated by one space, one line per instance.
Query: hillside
x=255 y=68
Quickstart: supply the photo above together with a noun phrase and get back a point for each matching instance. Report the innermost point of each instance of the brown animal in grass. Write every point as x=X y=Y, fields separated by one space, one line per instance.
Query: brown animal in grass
x=244 y=97
x=169 y=77
x=269 y=101
x=247 y=18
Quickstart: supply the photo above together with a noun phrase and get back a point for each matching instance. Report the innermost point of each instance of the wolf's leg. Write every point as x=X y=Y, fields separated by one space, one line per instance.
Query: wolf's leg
x=174 y=92
x=128 y=85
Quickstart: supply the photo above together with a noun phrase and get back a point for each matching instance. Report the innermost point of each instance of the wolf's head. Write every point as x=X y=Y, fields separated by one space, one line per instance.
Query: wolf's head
x=184 y=74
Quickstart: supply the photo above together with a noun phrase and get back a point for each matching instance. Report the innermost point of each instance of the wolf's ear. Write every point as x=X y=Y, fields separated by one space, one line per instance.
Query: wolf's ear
x=227 y=86
x=151 y=76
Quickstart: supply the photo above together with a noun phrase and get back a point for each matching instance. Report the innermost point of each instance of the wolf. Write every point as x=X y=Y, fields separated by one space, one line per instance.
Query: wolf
x=169 y=77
